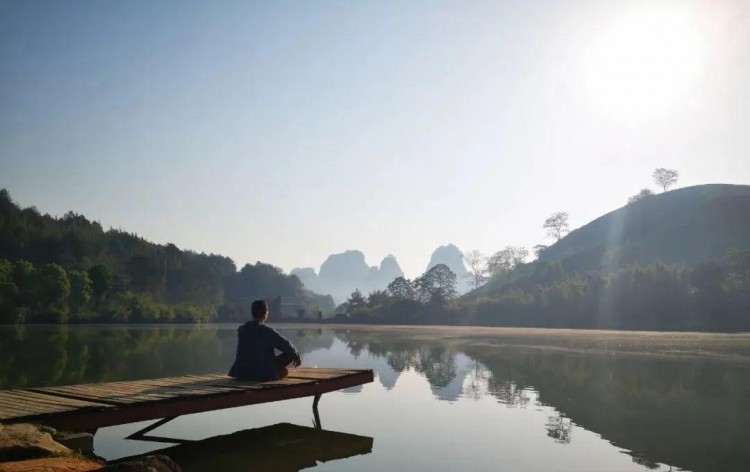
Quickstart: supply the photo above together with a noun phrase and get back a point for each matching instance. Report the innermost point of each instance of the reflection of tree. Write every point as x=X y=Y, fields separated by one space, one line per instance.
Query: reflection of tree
x=559 y=428
x=478 y=382
x=356 y=348
x=438 y=365
x=74 y=355
x=401 y=360
x=508 y=392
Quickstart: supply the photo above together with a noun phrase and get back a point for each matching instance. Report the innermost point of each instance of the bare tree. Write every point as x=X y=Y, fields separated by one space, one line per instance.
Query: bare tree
x=507 y=259
x=557 y=225
x=642 y=195
x=477 y=263
x=664 y=178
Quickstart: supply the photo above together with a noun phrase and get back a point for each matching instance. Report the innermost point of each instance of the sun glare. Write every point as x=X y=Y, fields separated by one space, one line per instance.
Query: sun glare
x=645 y=63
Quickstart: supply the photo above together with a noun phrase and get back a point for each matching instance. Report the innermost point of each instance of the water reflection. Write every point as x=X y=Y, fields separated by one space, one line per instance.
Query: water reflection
x=691 y=413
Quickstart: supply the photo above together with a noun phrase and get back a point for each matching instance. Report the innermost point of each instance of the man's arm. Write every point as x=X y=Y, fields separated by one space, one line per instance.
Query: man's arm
x=284 y=345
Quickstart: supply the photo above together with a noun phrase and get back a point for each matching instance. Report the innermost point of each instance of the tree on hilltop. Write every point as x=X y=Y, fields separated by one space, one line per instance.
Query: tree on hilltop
x=642 y=195
x=557 y=225
x=665 y=178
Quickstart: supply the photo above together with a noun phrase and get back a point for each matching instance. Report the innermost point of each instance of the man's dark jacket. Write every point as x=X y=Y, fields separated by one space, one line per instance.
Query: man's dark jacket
x=256 y=359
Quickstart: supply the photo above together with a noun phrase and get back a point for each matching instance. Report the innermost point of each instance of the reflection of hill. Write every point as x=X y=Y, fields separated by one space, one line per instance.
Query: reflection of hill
x=387 y=365
x=281 y=448
x=436 y=363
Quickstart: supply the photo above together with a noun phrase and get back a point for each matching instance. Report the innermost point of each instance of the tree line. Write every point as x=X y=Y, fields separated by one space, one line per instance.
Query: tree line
x=711 y=296
x=69 y=269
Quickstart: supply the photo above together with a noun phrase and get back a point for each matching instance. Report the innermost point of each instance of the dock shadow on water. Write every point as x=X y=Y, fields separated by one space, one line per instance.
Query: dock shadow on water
x=464 y=401
x=281 y=447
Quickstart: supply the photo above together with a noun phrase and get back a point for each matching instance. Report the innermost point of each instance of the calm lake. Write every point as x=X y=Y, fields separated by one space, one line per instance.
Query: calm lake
x=443 y=398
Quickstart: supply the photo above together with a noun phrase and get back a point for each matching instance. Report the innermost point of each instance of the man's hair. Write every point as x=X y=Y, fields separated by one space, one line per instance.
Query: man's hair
x=259 y=308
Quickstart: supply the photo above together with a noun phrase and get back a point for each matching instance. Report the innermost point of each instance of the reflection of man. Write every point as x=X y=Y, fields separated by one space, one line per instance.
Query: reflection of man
x=256 y=359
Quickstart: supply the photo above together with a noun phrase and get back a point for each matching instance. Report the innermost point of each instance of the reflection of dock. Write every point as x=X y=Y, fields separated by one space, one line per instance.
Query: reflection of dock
x=282 y=447
x=92 y=406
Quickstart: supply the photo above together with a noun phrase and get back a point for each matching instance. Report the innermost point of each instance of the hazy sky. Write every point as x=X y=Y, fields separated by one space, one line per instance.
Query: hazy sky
x=286 y=131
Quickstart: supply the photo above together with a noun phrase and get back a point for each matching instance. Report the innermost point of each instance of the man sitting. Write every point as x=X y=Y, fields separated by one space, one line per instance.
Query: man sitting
x=256 y=359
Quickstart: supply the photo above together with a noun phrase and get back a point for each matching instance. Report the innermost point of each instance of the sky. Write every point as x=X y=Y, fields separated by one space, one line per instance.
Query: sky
x=287 y=131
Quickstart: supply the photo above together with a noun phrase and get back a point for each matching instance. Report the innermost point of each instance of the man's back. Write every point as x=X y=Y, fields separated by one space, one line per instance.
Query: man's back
x=256 y=359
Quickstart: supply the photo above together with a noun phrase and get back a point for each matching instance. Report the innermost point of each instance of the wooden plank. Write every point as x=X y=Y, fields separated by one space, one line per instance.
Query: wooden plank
x=106 y=391
x=50 y=400
x=23 y=406
x=16 y=409
x=164 y=386
x=190 y=384
x=83 y=391
x=233 y=385
x=108 y=398
x=56 y=401
x=14 y=415
x=312 y=375
x=176 y=388
x=326 y=370
x=7 y=414
x=22 y=396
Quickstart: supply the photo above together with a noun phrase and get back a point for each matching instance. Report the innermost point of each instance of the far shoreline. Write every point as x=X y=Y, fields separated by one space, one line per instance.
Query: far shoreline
x=665 y=344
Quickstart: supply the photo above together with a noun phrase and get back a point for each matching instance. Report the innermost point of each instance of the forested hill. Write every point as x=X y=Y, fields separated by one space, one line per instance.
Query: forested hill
x=70 y=268
x=687 y=225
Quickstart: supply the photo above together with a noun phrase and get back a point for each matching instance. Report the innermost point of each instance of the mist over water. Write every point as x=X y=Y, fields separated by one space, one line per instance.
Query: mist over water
x=442 y=399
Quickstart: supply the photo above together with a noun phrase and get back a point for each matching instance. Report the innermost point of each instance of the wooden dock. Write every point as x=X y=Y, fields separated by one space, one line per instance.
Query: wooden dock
x=92 y=406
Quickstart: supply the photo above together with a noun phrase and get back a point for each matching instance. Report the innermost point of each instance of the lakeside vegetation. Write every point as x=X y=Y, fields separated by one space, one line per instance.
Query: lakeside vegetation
x=69 y=269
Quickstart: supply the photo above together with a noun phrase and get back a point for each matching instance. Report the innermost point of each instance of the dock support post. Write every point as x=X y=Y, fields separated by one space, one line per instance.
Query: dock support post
x=316 y=415
x=141 y=434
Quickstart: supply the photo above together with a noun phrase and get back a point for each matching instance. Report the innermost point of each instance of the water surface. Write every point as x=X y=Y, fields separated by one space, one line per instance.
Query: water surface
x=443 y=399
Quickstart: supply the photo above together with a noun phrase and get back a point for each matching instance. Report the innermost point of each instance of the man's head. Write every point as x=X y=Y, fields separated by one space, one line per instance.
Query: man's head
x=259 y=310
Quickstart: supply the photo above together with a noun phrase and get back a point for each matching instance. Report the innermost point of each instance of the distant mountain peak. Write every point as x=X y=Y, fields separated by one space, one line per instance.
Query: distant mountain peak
x=451 y=256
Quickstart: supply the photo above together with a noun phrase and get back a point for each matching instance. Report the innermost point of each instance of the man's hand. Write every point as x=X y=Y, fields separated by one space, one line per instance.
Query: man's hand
x=297 y=361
